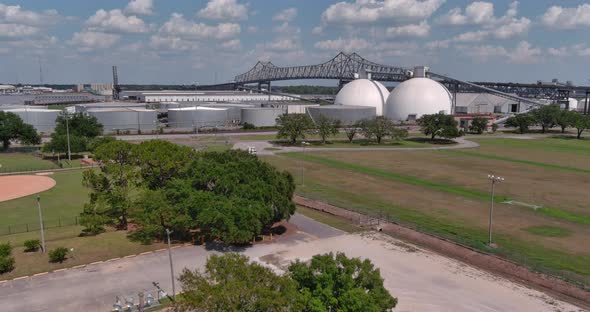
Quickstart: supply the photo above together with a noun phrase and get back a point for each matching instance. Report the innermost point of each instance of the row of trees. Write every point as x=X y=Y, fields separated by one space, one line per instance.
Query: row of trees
x=83 y=131
x=296 y=126
x=327 y=283
x=231 y=196
x=548 y=117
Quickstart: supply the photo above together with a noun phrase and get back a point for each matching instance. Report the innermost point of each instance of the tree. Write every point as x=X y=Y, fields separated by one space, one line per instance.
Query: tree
x=160 y=161
x=351 y=131
x=546 y=116
x=439 y=125
x=326 y=127
x=231 y=283
x=520 y=121
x=478 y=125
x=377 y=128
x=565 y=118
x=82 y=130
x=337 y=283
x=111 y=187
x=294 y=126
x=13 y=128
x=581 y=122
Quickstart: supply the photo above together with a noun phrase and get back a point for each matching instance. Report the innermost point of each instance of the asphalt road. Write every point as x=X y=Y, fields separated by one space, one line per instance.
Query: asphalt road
x=94 y=287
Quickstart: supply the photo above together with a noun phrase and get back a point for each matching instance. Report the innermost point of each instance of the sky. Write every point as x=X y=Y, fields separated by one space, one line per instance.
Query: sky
x=205 y=42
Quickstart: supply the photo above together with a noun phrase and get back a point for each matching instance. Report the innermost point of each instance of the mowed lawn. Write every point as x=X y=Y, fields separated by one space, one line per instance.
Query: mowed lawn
x=64 y=201
x=11 y=162
x=447 y=193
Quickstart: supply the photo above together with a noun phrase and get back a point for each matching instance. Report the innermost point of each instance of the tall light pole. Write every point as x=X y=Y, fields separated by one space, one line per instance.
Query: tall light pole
x=168 y=232
x=494 y=179
x=41 y=223
x=68 y=136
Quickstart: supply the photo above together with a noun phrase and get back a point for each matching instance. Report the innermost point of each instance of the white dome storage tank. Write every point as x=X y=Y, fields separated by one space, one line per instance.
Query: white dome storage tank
x=416 y=97
x=363 y=92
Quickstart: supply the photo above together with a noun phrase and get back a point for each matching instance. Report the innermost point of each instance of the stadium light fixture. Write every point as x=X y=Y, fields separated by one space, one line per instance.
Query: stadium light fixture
x=168 y=232
x=493 y=179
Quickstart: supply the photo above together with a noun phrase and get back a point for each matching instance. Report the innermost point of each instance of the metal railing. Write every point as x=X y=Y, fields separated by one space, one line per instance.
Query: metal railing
x=35 y=226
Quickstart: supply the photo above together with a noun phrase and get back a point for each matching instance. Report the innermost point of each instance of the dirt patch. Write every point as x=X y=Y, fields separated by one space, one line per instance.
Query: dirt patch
x=12 y=187
x=44 y=173
x=448 y=248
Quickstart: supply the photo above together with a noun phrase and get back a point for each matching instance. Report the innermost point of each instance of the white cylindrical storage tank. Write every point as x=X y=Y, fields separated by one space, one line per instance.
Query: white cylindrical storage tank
x=416 y=97
x=234 y=111
x=43 y=120
x=347 y=114
x=197 y=117
x=363 y=92
x=261 y=117
x=125 y=119
x=573 y=104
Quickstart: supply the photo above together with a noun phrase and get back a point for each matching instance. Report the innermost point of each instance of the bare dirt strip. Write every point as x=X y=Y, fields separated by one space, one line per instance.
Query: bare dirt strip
x=12 y=187
x=467 y=255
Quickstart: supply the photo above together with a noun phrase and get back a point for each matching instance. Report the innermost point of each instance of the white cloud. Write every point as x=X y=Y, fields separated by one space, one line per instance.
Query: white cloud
x=285 y=28
x=523 y=53
x=234 y=44
x=283 y=44
x=14 y=14
x=177 y=25
x=317 y=30
x=286 y=15
x=172 y=43
x=225 y=10
x=140 y=7
x=513 y=28
x=91 y=40
x=252 y=29
x=370 y=11
x=562 y=51
x=558 y=17
x=346 y=45
x=411 y=30
x=476 y=13
x=115 y=21
x=17 y=31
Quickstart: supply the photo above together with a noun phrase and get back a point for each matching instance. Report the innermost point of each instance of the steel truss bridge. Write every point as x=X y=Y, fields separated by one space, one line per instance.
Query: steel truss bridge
x=346 y=67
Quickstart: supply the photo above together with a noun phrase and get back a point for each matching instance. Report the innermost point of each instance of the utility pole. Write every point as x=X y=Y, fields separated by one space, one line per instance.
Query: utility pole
x=168 y=232
x=68 y=136
x=302 y=166
x=41 y=223
x=494 y=180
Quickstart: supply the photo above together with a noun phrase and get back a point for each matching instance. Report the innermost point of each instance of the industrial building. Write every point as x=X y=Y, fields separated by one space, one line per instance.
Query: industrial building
x=80 y=108
x=64 y=98
x=123 y=119
x=197 y=117
x=43 y=120
x=261 y=117
x=200 y=96
x=347 y=114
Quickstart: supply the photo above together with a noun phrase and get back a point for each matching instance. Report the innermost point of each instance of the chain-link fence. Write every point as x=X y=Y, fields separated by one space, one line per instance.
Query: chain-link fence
x=36 y=226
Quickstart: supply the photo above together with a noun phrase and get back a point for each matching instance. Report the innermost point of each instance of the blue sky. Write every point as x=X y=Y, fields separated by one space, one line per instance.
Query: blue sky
x=182 y=41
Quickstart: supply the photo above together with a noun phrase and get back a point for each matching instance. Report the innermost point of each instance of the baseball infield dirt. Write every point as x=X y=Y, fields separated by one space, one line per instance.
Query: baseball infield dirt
x=12 y=187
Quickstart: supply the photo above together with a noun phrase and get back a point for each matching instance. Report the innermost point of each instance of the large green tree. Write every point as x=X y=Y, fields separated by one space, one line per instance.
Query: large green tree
x=294 y=126
x=161 y=161
x=83 y=129
x=12 y=128
x=231 y=283
x=565 y=118
x=441 y=125
x=380 y=128
x=546 y=116
x=112 y=187
x=520 y=121
x=327 y=127
x=478 y=125
x=338 y=283
x=581 y=123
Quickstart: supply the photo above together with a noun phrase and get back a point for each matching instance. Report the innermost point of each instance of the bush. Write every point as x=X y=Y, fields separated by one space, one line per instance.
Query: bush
x=248 y=126
x=32 y=245
x=6 y=264
x=494 y=128
x=5 y=250
x=59 y=254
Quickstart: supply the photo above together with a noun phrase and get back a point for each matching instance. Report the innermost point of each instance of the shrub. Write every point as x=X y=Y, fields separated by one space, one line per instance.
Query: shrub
x=5 y=250
x=248 y=126
x=6 y=264
x=59 y=254
x=32 y=245
x=494 y=128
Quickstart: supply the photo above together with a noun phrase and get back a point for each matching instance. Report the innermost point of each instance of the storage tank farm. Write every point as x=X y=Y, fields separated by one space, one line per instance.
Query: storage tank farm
x=197 y=117
x=43 y=120
x=122 y=119
x=261 y=116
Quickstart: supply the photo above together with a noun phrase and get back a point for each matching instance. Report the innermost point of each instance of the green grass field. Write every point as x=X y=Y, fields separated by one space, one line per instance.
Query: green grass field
x=326 y=218
x=12 y=162
x=65 y=201
x=447 y=193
